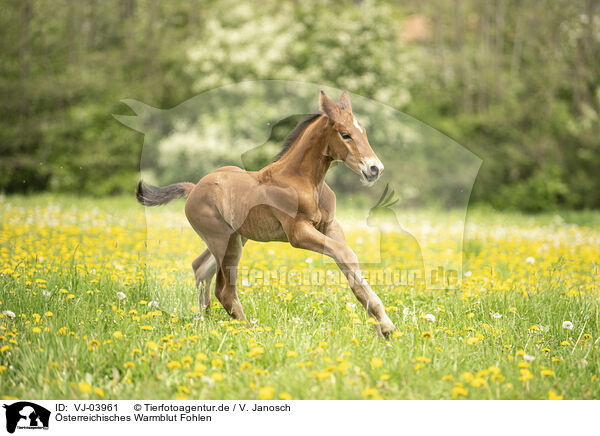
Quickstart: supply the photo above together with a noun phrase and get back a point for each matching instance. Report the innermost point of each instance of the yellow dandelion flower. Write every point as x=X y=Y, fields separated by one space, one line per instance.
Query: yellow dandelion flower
x=217 y=376
x=497 y=378
x=99 y=392
x=266 y=392
x=36 y=330
x=525 y=375
x=494 y=370
x=553 y=396
x=256 y=351
x=183 y=389
x=285 y=396
x=467 y=376
x=129 y=365
x=291 y=353
x=174 y=364
x=376 y=362
x=85 y=387
x=478 y=382
x=117 y=334
x=369 y=392
x=458 y=391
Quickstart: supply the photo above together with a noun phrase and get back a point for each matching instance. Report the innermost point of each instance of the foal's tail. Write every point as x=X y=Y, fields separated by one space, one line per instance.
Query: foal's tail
x=149 y=195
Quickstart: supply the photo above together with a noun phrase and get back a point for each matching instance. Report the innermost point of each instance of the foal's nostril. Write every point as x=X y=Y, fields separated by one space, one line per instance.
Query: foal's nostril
x=374 y=171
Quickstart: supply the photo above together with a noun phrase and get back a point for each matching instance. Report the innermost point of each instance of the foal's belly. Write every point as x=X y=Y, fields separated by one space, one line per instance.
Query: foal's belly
x=261 y=225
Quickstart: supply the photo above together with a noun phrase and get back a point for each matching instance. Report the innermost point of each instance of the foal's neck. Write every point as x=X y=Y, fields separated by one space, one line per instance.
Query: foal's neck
x=308 y=155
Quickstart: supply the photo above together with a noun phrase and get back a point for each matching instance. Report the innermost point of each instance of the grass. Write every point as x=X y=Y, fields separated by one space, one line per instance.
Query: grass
x=104 y=307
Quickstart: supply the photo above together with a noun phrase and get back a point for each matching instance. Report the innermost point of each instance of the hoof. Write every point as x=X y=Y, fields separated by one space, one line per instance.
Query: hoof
x=387 y=328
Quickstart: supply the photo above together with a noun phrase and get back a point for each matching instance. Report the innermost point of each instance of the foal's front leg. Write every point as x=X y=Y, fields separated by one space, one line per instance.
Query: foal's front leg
x=303 y=235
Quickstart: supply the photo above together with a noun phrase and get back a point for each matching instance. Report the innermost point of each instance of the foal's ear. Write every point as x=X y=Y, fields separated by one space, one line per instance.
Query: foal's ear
x=328 y=107
x=345 y=101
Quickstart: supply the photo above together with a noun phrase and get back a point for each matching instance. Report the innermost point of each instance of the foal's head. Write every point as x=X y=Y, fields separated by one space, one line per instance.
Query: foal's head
x=349 y=143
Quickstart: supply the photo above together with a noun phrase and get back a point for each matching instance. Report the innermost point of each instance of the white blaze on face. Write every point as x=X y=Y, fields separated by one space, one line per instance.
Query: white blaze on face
x=356 y=125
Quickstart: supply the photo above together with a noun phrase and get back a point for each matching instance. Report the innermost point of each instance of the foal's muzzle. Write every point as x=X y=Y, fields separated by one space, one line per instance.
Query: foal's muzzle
x=371 y=168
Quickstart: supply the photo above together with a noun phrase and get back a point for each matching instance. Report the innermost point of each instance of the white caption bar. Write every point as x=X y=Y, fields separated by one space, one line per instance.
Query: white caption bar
x=292 y=417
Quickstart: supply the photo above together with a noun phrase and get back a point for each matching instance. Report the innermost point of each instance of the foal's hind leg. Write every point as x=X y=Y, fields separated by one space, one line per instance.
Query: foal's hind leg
x=204 y=267
x=225 y=287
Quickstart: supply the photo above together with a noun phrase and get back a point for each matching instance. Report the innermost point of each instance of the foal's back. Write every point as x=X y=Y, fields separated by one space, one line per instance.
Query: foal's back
x=238 y=199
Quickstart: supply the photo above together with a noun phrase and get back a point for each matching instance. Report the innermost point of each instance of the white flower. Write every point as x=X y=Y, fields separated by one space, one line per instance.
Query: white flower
x=46 y=293
x=9 y=313
x=528 y=358
x=530 y=260
x=153 y=303
x=468 y=273
x=121 y=295
x=568 y=325
x=245 y=283
x=406 y=311
x=430 y=317
x=209 y=381
x=496 y=315
x=119 y=267
x=309 y=260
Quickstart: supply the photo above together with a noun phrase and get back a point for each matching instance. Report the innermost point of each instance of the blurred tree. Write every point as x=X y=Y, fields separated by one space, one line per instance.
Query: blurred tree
x=516 y=82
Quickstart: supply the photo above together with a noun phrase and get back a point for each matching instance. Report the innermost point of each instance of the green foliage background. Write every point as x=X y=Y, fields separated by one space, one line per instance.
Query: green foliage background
x=516 y=82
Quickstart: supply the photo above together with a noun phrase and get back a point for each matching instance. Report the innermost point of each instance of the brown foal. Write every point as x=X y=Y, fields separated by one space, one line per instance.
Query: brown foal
x=288 y=200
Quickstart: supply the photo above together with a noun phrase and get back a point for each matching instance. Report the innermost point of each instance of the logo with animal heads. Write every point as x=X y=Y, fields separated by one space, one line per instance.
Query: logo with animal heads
x=26 y=415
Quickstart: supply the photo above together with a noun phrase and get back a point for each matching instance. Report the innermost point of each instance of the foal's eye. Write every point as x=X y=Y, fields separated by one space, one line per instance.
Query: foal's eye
x=345 y=136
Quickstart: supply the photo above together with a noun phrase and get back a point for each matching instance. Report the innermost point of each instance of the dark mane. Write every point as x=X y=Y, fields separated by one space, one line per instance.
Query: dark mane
x=294 y=134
